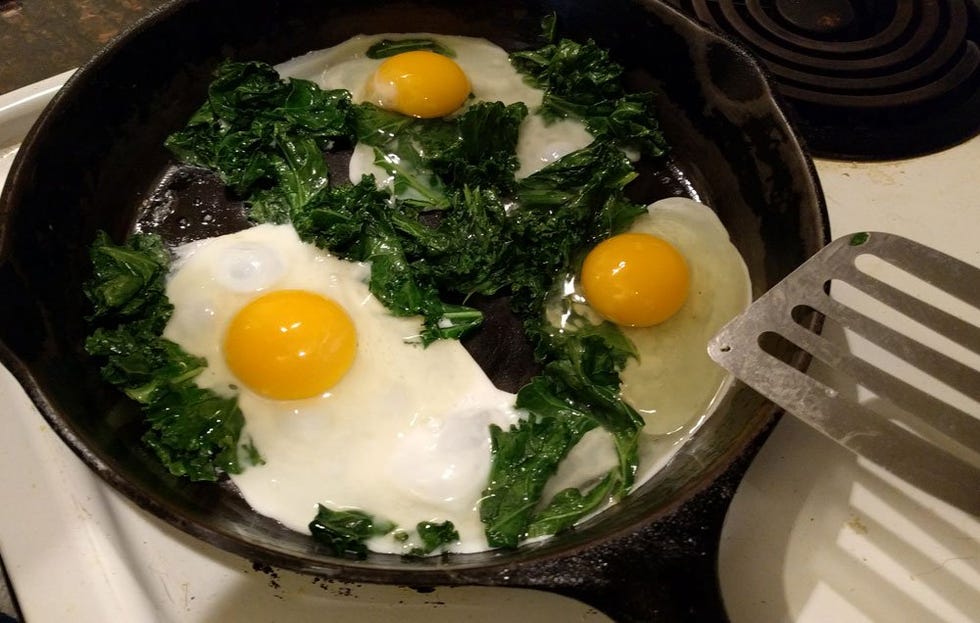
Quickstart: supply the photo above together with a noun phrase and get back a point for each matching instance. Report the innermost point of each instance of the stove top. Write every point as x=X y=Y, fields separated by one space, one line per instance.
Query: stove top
x=865 y=79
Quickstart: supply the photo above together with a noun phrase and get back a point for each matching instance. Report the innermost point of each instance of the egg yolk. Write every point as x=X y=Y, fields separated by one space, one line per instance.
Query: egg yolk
x=420 y=84
x=635 y=280
x=290 y=344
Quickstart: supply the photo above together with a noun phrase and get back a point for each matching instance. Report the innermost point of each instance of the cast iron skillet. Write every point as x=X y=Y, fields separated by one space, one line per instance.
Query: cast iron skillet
x=95 y=160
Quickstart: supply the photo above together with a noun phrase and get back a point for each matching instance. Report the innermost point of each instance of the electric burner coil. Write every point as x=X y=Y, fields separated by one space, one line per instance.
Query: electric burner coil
x=867 y=79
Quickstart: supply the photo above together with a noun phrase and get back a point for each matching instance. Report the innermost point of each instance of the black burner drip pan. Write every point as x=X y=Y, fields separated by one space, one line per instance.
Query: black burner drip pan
x=866 y=79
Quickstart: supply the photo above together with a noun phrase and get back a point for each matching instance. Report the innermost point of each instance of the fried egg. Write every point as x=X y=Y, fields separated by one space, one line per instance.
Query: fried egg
x=479 y=68
x=691 y=270
x=373 y=431
x=673 y=382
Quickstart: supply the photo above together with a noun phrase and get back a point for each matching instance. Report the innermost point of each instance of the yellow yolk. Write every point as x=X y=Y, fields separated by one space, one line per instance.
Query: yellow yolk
x=420 y=84
x=290 y=344
x=635 y=280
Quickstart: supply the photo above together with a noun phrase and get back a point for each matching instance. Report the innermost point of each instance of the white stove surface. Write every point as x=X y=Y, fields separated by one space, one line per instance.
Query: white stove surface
x=814 y=534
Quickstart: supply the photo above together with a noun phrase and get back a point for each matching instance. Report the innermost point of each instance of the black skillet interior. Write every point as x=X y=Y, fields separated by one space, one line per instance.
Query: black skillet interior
x=96 y=156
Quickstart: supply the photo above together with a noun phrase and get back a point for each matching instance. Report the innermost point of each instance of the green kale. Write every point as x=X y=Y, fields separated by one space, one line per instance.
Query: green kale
x=128 y=279
x=193 y=431
x=400 y=536
x=376 y=126
x=392 y=278
x=585 y=360
x=524 y=458
x=359 y=223
x=476 y=246
x=252 y=454
x=345 y=532
x=467 y=251
x=574 y=187
x=266 y=136
x=576 y=392
x=400 y=147
x=411 y=182
x=434 y=536
x=140 y=362
x=391 y=47
x=481 y=247
x=484 y=151
x=570 y=505
x=581 y=81
x=430 y=158
x=339 y=216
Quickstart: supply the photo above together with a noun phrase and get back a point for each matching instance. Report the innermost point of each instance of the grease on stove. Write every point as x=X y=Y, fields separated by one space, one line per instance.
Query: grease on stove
x=270 y=571
x=355 y=601
x=855 y=524
x=339 y=588
x=427 y=590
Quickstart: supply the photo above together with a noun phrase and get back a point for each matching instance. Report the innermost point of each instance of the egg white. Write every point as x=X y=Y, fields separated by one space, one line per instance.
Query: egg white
x=674 y=379
x=404 y=435
x=492 y=78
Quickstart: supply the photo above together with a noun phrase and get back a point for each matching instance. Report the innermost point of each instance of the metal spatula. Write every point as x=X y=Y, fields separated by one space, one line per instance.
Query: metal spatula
x=931 y=439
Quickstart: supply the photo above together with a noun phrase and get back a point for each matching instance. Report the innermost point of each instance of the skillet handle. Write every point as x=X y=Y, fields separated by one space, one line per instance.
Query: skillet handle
x=667 y=571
